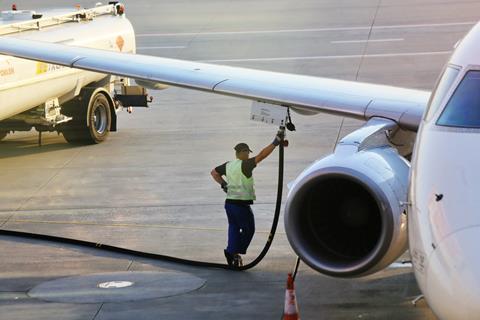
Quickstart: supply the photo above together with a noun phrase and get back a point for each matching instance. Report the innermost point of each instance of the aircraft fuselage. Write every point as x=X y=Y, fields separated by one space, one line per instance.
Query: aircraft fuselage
x=444 y=224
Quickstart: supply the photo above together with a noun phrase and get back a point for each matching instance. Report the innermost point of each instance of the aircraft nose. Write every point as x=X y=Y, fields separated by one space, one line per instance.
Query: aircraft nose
x=453 y=276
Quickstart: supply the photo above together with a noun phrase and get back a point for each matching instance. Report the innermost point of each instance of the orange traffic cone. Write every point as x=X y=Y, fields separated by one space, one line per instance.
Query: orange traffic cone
x=291 y=309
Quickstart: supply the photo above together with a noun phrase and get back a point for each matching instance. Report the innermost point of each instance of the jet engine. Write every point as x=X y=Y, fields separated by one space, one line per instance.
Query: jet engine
x=346 y=214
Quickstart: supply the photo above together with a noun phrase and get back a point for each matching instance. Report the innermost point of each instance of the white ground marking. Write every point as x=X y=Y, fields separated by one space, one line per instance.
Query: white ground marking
x=115 y=284
x=214 y=33
x=367 y=40
x=353 y=56
x=165 y=47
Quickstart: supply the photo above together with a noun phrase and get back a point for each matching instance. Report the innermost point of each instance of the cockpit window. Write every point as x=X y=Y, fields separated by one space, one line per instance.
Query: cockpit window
x=463 y=109
x=443 y=85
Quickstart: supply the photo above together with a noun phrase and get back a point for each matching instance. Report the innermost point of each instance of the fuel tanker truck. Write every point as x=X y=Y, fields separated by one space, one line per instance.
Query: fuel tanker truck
x=82 y=105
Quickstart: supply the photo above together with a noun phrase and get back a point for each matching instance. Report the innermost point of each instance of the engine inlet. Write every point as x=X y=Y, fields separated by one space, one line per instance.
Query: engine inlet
x=336 y=223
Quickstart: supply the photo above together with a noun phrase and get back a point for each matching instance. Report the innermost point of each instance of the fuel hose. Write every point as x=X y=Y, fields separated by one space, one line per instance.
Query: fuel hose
x=155 y=256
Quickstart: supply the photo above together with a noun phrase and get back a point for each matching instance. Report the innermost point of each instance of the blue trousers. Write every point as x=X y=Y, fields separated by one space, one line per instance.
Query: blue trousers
x=241 y=227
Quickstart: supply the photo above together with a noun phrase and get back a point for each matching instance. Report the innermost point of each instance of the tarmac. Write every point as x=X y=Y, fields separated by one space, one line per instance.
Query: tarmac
x=149 y=186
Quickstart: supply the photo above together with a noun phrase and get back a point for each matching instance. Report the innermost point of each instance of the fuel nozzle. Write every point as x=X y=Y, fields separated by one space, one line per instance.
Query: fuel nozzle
x=290 y=125
x=281 y=135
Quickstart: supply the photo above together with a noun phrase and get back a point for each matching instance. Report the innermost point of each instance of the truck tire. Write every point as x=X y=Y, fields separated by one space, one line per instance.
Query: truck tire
x=3 y=134
x=91 y=119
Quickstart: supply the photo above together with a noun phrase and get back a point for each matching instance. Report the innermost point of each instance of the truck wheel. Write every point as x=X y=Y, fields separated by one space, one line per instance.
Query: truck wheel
x=3 y=134
x=91 y=119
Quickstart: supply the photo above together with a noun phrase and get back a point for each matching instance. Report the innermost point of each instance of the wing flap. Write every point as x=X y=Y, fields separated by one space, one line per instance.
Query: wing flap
x=296 y=95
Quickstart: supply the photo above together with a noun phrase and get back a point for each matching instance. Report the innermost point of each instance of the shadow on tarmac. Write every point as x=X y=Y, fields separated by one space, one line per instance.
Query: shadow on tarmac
x=28 y=145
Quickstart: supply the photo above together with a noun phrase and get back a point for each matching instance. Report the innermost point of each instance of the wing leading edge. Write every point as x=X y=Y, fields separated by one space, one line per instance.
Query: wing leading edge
x=304 y=94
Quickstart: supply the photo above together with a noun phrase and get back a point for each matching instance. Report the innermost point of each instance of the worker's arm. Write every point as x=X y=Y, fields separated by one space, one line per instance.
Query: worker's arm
x=264 y=153
x=269 y=149
x=217 y=177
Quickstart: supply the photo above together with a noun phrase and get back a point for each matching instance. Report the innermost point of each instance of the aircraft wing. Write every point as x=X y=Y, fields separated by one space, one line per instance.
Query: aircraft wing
x=304 y=94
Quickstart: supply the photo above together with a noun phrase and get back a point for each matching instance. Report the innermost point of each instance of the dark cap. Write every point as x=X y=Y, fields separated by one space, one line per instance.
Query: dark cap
x=241 y=147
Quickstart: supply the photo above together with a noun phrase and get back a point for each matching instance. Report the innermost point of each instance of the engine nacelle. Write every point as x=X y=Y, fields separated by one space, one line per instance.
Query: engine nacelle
x=346 y=214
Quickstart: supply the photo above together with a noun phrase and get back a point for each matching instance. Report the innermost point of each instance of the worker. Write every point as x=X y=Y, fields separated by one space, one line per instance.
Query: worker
x=240 y=191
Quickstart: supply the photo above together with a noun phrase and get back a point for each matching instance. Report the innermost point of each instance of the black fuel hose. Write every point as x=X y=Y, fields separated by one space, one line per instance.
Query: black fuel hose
x=154 y=256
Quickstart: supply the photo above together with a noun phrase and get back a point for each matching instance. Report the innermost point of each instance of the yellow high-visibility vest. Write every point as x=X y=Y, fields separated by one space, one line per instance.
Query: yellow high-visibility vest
x=239 y=186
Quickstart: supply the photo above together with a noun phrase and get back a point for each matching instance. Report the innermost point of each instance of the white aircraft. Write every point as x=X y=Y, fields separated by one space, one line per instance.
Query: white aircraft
x=346 y=215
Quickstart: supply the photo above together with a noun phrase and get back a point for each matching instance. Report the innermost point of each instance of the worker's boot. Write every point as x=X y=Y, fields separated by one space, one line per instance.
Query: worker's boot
x=230 y=257
x=237 y=261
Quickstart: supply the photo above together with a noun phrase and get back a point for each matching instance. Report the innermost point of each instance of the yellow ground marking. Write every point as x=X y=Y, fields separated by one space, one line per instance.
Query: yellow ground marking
x=126 y=225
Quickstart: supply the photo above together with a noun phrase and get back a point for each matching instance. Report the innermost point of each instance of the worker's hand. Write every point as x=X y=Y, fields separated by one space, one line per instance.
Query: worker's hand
x=279 y=137
x=224 y=186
